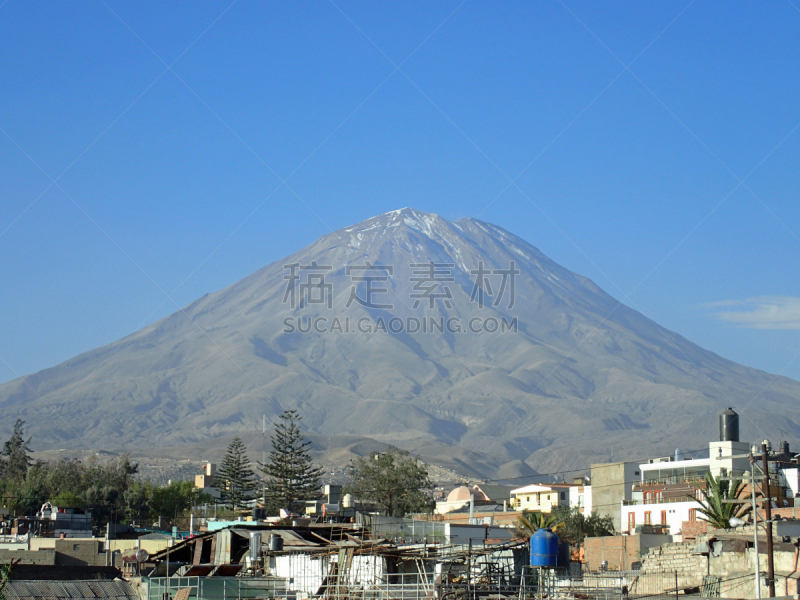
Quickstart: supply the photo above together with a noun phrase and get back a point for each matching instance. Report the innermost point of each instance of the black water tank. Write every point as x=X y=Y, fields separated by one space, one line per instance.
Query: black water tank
x=275 y=543
x=728 y=426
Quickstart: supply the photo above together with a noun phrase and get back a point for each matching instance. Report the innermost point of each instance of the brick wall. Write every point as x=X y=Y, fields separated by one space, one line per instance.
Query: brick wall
x=29 y=557
x=785 y=513
x=691 y=529
x=80 y=553
x=621 y=552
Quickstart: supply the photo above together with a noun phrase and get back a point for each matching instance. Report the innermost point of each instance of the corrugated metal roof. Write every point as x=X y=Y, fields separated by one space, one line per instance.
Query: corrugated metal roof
x=155 y=536
x=69 y=590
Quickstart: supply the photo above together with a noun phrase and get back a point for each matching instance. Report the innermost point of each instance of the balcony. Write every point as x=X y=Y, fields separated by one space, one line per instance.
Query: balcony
x=655 y=501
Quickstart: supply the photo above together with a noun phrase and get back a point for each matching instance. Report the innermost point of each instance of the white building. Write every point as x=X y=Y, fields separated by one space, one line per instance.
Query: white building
x=663 y=495
x=581 y=497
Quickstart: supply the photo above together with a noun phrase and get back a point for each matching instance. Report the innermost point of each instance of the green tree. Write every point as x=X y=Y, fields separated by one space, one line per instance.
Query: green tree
x=104 y=484
x=712 y=504
x=575 y=526
x=175 y=500
x=396 y=482
x=137 y=501
x=235 y=475
x=67 y=499
x=16 y=459
x=291 y=475
x=28 y=495
x=527 y=523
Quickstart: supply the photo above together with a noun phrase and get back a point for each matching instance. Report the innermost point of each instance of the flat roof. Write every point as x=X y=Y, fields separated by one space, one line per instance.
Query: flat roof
x=676 y=464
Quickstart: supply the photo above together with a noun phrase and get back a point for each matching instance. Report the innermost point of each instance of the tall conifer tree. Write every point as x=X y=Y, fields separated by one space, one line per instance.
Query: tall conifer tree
x=236 y=478
x=15 y=457
x=292 y=476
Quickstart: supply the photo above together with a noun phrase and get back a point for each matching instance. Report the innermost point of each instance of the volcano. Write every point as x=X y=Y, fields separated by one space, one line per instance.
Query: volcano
x=458 y=341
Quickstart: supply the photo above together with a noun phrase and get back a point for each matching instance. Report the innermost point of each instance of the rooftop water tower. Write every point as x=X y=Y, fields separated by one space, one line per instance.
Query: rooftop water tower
x=728 y=426
x=544 y=548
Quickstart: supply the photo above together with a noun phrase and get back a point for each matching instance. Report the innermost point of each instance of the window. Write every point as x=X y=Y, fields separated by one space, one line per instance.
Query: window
x=631 y=521
x=636 y=472
x=663 y=517
x=563 y=495
x=647 y=518
x=692 y=514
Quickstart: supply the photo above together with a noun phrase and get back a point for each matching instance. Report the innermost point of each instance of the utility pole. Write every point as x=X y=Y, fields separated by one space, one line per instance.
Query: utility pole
x=757 y=581
x=768 y=497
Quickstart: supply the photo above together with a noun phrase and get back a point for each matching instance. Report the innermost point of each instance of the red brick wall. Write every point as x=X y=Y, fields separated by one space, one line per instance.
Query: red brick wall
x=691 y=529
x=621 y=551
x=785 y=513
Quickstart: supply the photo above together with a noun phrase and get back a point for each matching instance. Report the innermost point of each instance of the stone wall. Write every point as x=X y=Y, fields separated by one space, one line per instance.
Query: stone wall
x=733 y=564
x=691 y=568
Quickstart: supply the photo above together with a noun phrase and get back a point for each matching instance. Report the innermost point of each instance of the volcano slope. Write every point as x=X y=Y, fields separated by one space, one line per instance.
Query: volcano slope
x=571 y=376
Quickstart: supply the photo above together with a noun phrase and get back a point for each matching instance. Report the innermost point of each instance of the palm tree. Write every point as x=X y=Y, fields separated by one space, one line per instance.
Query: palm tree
x=527 y=523
x=713 y=505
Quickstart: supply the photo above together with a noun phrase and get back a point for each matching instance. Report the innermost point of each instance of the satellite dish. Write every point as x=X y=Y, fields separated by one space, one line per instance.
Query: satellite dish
x=142 y=555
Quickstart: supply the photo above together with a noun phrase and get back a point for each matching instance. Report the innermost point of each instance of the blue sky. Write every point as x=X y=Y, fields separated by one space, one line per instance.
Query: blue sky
x=653 y=147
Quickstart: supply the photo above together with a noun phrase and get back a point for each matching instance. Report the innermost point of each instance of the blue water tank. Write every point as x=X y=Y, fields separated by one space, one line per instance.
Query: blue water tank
x=544 y=548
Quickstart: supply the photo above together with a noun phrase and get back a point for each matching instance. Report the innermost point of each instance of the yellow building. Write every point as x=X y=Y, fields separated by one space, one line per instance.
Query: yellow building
x=540 y=498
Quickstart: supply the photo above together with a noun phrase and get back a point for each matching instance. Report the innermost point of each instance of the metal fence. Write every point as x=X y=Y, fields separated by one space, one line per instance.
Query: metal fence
x=616 y=585
x=163 y=588
x=533 y=584
x=218 y=588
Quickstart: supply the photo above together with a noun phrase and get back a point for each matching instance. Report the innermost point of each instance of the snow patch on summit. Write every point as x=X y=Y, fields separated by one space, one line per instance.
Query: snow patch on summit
x=423 y=224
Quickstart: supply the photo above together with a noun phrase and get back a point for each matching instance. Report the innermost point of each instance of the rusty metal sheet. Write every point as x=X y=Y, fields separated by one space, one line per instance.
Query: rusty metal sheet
x=227 y=570
x=199 y=571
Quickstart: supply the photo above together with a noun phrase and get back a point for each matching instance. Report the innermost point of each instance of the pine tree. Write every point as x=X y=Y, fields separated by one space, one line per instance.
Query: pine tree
x=16 y=454
x=292 y=476
x=236 y=478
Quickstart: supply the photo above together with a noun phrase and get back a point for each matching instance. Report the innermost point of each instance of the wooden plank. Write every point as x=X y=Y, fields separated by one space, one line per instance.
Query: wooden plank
x=198 y=551
x=183 y=594
x=325 y=586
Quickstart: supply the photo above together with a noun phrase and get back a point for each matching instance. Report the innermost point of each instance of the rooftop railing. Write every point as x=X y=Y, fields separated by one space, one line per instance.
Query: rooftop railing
x=655 y=501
